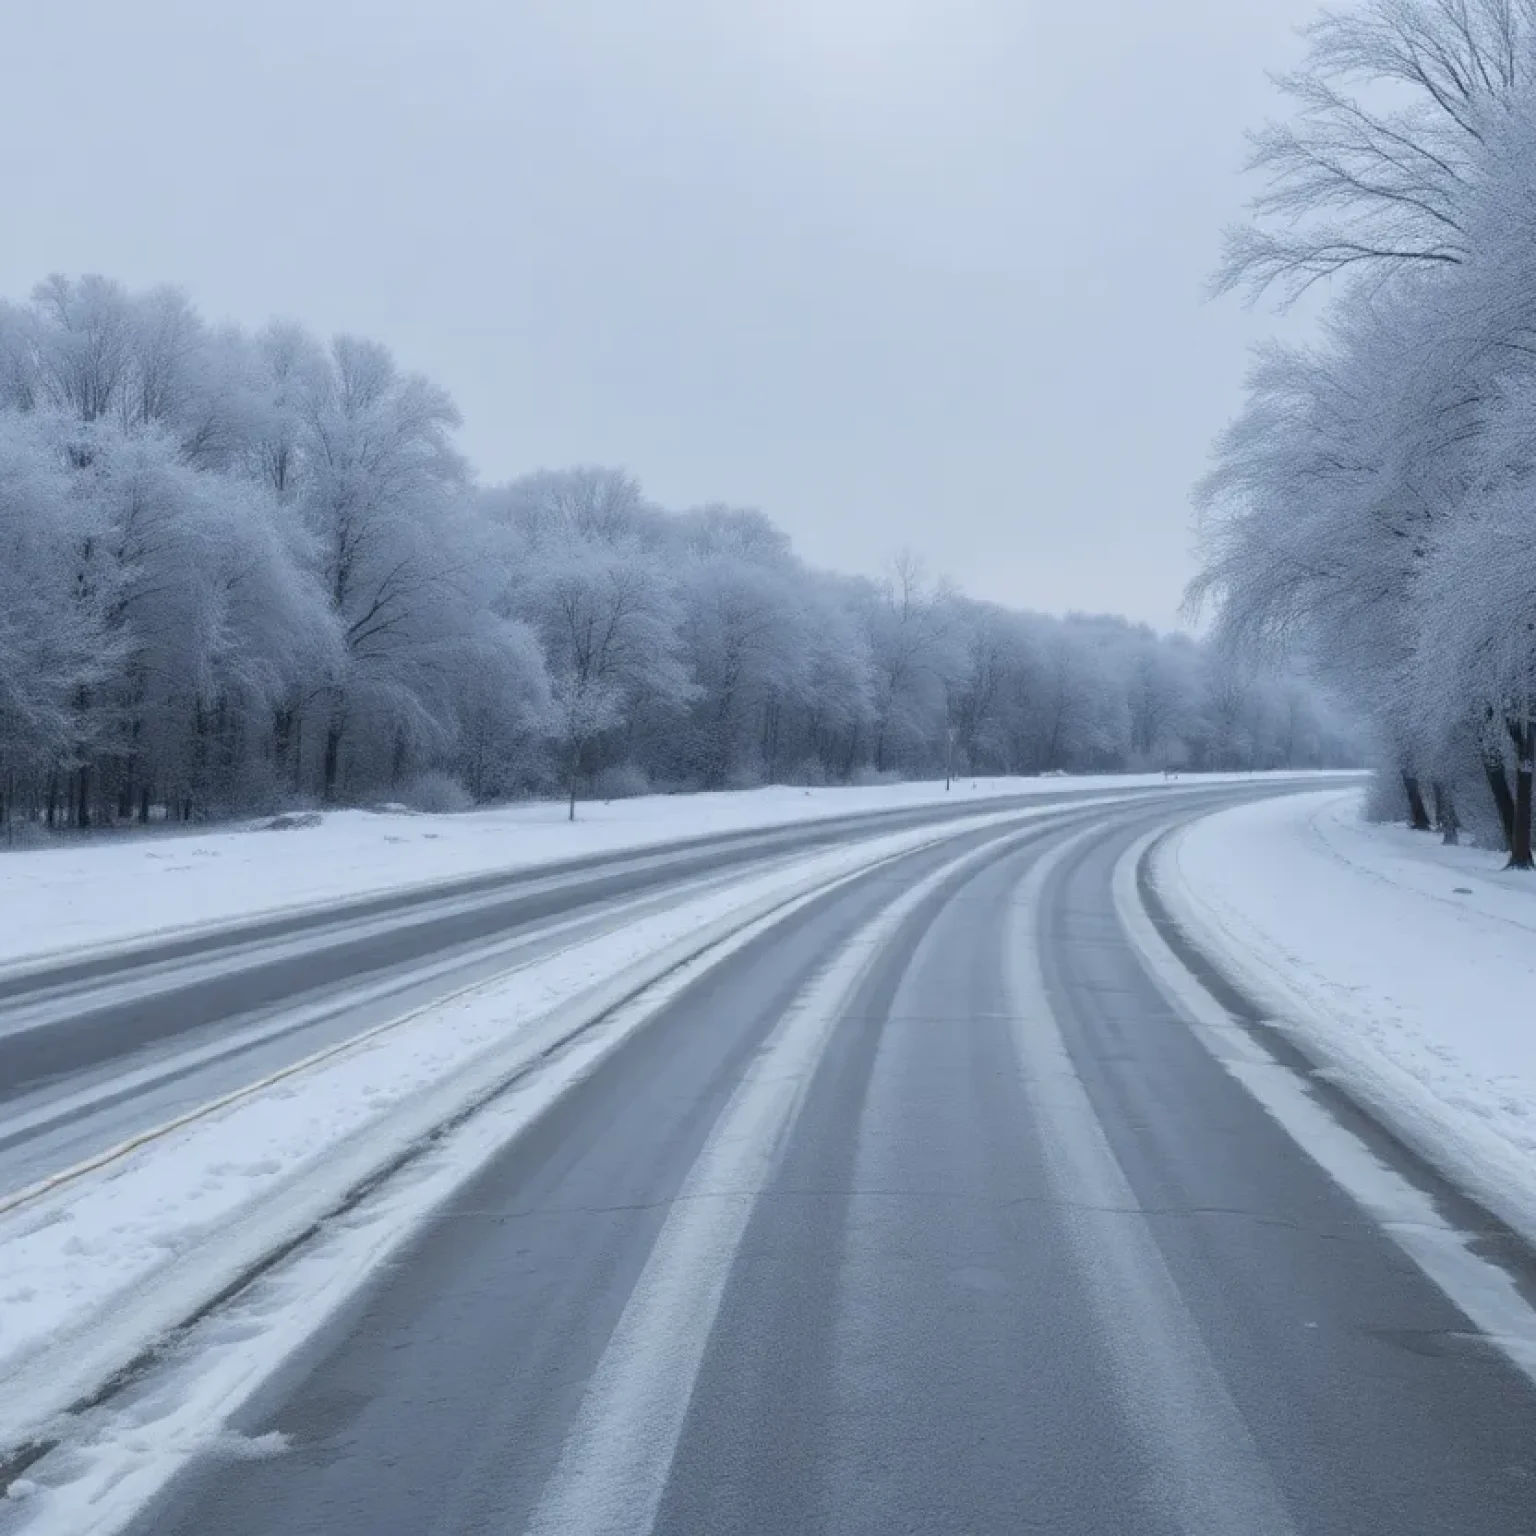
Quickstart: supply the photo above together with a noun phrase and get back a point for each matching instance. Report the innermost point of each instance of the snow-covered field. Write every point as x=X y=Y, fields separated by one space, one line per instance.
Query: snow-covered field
x=84 y=895
x=1404 y=968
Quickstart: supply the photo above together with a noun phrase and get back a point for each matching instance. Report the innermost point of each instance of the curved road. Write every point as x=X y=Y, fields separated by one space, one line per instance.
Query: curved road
x=923 y=1213
x=98 y=1048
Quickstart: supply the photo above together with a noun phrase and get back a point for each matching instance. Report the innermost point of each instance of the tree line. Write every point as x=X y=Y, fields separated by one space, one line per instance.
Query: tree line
x=244 y=571
x=1373 y=508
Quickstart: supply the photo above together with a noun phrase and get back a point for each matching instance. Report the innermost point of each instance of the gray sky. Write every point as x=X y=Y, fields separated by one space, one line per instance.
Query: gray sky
x=900 y=272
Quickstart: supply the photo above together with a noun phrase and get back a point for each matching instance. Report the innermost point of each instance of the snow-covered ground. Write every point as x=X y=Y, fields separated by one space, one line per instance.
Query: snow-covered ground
x=84 y=895
x=1405 y=969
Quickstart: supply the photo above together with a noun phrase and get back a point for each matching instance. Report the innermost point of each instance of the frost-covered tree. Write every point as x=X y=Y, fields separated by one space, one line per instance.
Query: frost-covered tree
x=242 y=570
x=55 y=650
x=745 y=645
x=1370 y=506
x=1394 y=105
x=917 y=656
x=381 y=493
x=602 y=604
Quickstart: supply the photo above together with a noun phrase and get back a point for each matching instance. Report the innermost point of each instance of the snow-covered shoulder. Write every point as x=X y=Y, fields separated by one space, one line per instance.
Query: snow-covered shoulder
x=1404 y=968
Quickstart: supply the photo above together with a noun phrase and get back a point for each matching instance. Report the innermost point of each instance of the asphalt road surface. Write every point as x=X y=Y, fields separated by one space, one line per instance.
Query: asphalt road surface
x=98 y=1049
x=922 y=1213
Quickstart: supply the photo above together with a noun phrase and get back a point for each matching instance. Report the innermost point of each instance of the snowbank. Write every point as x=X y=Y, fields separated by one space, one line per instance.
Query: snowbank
x=84 y=895
x=1405 y=969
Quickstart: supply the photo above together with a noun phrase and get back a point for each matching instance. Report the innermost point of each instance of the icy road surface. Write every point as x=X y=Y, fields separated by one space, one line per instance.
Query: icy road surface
x=926 y=1210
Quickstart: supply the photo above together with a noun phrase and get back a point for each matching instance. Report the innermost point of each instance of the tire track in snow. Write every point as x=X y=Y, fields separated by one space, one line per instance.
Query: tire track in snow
x=1209 y=1475
x=613 y=1469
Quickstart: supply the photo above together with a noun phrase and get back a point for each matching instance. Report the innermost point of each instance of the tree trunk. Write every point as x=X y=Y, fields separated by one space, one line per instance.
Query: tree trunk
x=575 y=771
x=282 y=738
x=1520 y=841
x=332 y=762
x=770 y=740
x=1498 y=785
x=1418 y=812
x=198 y=788
x=850 y=757
x=1446 y=819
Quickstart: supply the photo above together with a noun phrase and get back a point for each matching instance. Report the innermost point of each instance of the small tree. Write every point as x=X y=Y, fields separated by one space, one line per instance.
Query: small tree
x=609 y=625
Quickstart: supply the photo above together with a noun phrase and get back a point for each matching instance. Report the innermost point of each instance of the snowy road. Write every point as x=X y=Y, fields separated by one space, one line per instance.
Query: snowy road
x=923 y=1211
x=98 y=1049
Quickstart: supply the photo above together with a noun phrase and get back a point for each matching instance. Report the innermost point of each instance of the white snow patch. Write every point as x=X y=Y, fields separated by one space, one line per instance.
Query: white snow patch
x=265 y=1447
x=1405 y=969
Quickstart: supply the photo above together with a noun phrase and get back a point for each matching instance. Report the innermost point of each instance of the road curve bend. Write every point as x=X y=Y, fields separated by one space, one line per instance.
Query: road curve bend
x=923 y=1212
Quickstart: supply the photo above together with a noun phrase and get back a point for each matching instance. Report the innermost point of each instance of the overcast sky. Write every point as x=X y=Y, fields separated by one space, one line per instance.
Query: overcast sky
x=920 y=273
